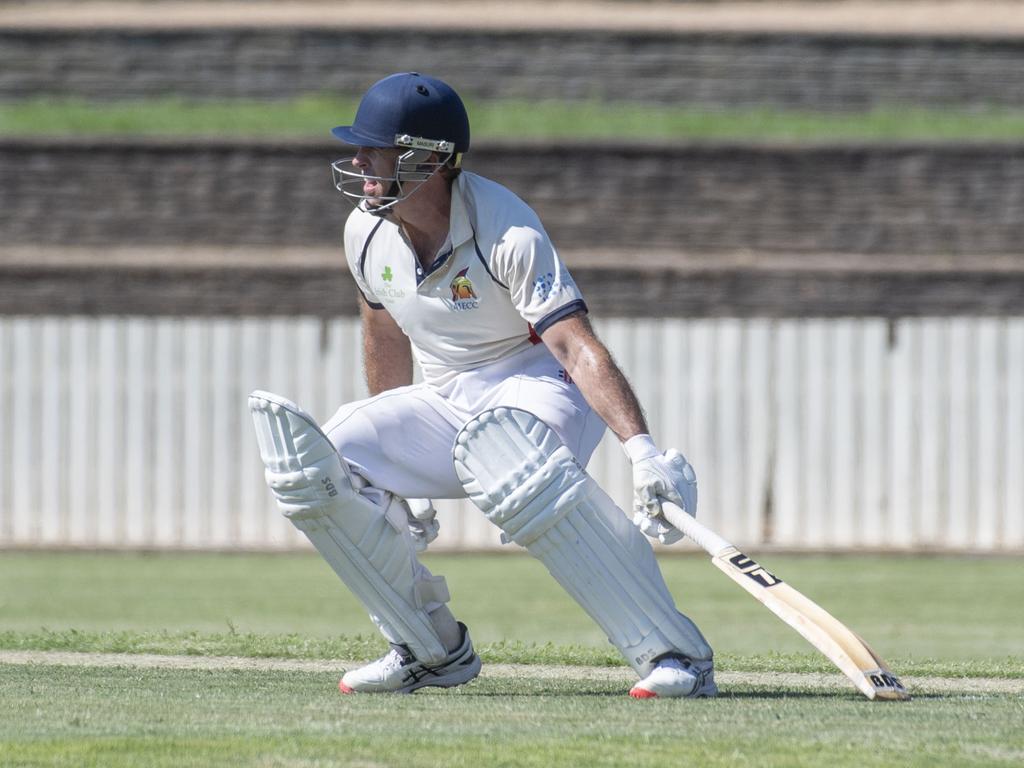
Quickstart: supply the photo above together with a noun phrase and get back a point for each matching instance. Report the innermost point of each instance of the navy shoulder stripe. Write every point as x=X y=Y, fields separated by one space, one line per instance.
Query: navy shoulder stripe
x=484 y=262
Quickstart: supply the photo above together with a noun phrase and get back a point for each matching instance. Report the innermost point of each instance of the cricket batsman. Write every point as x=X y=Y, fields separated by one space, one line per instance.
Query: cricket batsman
x=517 y=390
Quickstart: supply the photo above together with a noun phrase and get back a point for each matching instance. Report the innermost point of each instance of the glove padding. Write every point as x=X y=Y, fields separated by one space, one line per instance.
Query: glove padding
x=659 y=476
x=422 y=520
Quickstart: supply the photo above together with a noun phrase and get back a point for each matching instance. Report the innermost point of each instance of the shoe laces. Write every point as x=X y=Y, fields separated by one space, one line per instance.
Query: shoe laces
x=389 y=662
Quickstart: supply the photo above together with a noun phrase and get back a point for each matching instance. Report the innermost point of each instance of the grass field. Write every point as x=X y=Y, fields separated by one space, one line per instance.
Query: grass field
x=313 y=116
x=953 y=626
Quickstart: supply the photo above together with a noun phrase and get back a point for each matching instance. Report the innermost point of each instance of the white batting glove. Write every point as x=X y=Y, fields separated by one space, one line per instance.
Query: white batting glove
x=659 y=476
x=422 y=519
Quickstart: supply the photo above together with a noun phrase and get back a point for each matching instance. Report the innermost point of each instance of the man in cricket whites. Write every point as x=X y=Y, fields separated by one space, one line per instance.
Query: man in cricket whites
x=517 y=390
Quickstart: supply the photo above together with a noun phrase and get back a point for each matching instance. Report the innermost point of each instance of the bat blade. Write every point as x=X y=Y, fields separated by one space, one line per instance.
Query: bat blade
x=835 y=640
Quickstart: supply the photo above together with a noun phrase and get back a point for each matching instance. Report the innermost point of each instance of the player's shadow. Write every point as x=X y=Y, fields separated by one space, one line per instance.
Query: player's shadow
x=723 y=695
x=532 y=688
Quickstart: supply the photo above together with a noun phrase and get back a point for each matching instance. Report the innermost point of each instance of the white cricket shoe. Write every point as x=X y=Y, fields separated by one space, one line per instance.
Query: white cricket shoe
x=399 y=671
x=678 y=678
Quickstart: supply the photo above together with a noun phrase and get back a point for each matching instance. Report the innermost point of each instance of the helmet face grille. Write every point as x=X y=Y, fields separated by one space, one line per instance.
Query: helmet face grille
x=411 y=169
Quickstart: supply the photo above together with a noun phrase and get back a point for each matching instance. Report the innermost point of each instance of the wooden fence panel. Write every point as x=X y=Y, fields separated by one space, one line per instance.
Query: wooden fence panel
x=817 y=434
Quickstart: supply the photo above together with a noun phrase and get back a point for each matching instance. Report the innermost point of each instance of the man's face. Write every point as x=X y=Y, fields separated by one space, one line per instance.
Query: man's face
x=376 y=161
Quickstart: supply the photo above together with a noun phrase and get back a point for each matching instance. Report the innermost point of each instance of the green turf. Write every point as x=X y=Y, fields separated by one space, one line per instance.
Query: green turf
x=911 y=608
x=314 y=116
x=945 y=617
x=80 y=717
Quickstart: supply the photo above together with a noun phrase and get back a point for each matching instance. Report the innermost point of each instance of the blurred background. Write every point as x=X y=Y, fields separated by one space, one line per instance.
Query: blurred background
x=799 y=228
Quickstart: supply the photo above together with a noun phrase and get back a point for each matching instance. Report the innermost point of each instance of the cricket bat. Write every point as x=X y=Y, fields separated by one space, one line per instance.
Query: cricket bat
x=822 y=630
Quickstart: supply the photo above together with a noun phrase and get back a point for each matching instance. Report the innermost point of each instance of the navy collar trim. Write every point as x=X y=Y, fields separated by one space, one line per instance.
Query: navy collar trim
x=366 y=247
x=438 y=262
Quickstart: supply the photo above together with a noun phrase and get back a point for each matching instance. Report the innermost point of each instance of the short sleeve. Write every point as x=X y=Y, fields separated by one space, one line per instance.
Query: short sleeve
x=541 y=288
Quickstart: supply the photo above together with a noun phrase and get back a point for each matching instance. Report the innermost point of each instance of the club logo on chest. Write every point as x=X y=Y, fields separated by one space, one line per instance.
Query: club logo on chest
x=463 y=295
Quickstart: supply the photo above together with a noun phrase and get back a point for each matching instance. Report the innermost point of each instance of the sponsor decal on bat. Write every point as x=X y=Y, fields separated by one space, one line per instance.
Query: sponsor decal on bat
x=881 y=679
x=752 y=570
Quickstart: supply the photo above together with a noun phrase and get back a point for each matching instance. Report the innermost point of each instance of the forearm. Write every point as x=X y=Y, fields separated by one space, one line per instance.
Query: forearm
x=656 y=475
x=600 y=380
x=387 y=354
x=386 y=367
x=606 y=389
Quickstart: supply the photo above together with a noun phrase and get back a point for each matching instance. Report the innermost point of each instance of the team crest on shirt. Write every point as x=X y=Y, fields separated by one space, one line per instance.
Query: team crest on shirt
x=463 y=295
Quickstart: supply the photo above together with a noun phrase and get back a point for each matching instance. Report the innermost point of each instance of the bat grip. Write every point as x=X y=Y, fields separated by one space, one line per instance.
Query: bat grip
x=707 y=539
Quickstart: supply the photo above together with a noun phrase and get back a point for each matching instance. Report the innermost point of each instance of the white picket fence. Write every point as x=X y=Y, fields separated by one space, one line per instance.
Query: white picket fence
x=133 y=432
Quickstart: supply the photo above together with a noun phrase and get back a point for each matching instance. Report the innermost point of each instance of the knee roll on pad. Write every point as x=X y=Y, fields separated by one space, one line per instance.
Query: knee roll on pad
x=366 y=544
x=514 y=467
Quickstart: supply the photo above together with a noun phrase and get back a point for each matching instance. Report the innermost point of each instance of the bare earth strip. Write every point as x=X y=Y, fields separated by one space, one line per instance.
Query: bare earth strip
x=989 y=18
x=801 y=680
x=192 y=256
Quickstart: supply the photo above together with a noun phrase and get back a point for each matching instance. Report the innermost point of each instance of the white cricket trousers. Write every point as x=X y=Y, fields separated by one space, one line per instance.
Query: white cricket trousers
x=401 y=440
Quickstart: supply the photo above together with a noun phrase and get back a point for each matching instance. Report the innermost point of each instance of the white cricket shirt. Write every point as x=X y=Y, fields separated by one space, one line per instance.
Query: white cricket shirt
x=493 y=288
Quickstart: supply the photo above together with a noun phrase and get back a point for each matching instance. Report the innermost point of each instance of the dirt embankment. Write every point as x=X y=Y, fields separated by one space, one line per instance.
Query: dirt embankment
x=986 y=18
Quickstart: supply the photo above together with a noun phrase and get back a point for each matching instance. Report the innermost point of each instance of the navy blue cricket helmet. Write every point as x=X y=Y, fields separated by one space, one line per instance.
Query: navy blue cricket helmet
x=412 y=112
x=410 y=105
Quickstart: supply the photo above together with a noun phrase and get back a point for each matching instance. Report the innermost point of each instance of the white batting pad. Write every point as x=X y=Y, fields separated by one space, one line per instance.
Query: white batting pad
x=367 y=544
x=531 y=486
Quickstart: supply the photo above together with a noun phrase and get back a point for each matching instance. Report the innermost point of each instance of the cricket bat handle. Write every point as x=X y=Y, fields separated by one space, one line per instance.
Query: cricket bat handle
x=707 y=539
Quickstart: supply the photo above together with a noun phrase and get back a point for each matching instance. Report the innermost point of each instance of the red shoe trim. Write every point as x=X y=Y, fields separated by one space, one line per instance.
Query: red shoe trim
x=642 y=693
x=344 y=688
